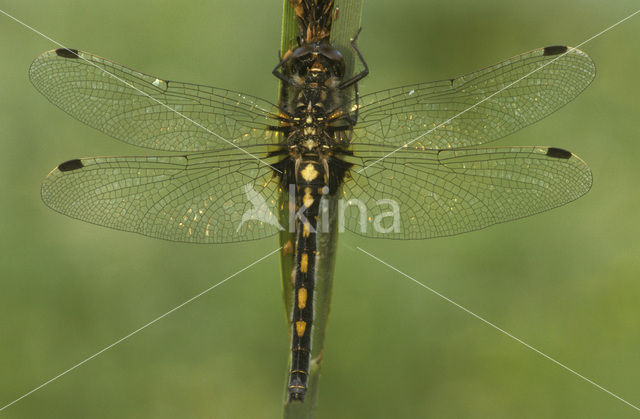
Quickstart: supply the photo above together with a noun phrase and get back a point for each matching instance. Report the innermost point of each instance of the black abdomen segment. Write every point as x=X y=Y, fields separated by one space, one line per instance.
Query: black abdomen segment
x=310 y=179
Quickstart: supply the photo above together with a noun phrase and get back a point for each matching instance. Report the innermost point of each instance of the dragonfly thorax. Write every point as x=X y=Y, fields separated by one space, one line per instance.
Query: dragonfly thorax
x=311 y=118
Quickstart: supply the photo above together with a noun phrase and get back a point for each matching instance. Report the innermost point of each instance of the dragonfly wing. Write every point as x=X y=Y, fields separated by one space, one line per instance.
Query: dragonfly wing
x=449 y=192
x=483 y=106
x=200 y=198
x=148 y=111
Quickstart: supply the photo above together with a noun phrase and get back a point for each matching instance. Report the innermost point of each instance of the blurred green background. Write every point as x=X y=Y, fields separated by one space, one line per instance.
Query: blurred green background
x=567 y=281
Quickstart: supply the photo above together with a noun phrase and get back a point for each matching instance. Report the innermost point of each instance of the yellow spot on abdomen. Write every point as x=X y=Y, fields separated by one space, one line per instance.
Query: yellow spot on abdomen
x=307 y=199
x=302 y=298
x=304 y=262
x=309 y=172
x=306 y=229
x=301 y=326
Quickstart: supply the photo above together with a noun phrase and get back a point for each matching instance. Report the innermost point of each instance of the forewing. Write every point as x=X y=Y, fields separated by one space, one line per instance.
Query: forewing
x=200 y=198
x=535 y=85
x=449 y=192
x=148 y=111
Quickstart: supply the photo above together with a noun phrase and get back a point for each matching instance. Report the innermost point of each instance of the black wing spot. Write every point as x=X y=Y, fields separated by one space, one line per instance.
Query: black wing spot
x=555 y=50
x=70 y=165
x=67 y=53
x=558 y=153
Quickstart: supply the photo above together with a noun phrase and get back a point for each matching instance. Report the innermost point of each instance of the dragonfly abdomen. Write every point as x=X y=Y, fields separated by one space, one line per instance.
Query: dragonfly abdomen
x=310 y=181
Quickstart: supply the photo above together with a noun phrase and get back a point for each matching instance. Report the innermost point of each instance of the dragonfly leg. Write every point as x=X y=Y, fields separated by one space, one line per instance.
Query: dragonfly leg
x=364 y=72
x=278 y=73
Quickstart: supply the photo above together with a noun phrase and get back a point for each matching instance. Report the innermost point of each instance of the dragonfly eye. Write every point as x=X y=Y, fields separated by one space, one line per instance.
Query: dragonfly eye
x=331 y=53
x=301 y=52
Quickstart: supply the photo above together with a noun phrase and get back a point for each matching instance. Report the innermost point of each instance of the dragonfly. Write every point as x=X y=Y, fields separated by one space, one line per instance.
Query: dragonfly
x=226 y=158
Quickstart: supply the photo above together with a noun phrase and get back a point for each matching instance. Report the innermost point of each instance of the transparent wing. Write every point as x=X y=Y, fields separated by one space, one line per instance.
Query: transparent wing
x=398 y=116
x=448 y=192
x=201 y=198
x=130 y=106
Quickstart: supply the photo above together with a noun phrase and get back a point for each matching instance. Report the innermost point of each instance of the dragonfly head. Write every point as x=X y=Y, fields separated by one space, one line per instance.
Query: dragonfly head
x=317 y=62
